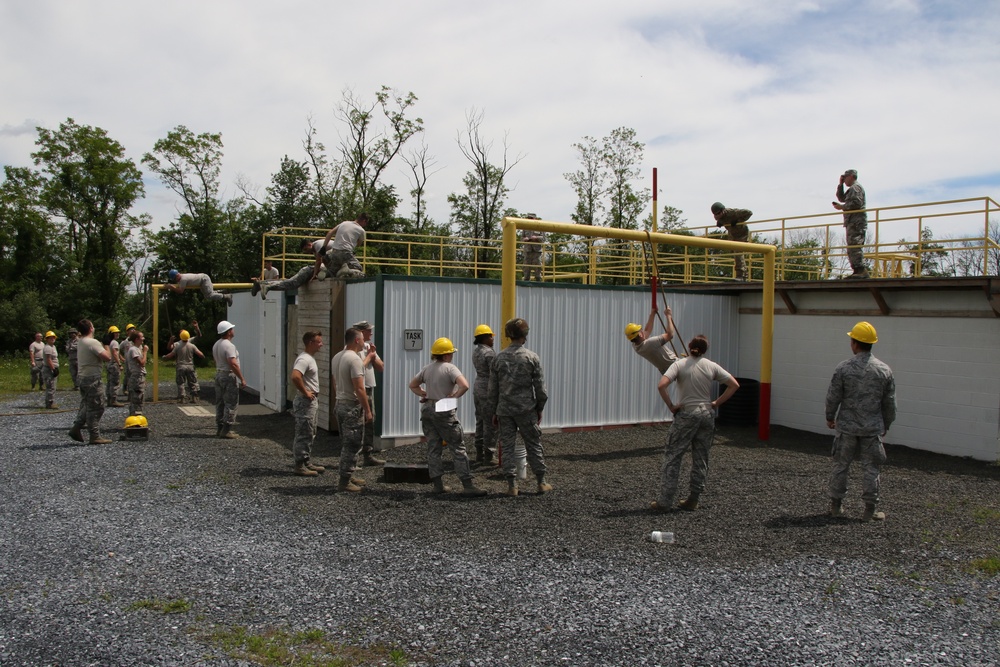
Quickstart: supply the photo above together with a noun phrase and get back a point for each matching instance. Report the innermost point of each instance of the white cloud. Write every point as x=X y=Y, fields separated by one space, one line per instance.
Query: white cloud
x=761 y=105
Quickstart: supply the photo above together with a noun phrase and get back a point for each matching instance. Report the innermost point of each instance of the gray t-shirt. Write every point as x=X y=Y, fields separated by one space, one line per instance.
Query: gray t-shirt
x=88 y=359
x=36 y=352
x=305 y=364
x=369 y=368
x=654 y=349
x=439 y=379
x=184 y=354
x=347 y=236
x=693 y=377
x=50 y=352
x=133 y=358
x=222 y=352
x=344 y=367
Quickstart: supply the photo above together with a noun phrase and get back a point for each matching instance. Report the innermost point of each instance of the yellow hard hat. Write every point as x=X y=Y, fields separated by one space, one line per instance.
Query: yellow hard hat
x=632 y=330
x=129 y=326
x=482 y=329
x=136 y=421
x=443 y=346
x=863 y=332
x=113 y=329
x=185 y=335
x=50 y=333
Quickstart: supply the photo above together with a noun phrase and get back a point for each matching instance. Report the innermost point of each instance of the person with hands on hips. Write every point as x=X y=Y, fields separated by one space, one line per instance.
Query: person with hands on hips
x=228 y=380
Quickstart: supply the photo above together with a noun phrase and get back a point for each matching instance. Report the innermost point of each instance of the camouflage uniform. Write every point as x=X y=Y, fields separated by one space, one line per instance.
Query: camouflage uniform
x=516 y=396
x=862 y=401
x=855 y=224
x=49 y=375
x=185 y=372
x=71 y=345
x=486 y=435
x=442 y=429
x=340 y=255
x=123 y=349
x=91 y=388
x=305 y=413
x=114 y=374
x=36 y=355
x=533 y=255
x=694 y=424
x=227 y=384
x=351 y=422
x=730 y=218
x=137 y=380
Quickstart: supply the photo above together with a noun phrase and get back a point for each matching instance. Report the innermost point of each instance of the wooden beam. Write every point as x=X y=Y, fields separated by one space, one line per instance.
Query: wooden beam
x=877 y=295
x=788 y=301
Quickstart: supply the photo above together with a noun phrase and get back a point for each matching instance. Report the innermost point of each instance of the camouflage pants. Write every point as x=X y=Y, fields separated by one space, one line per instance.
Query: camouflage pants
x=305 y=412
x=351 y=421
x=739 y=233
x=694 y=428
x=208 y=290
x=187 y=382
x=91 y=405
x=337 y=259
x=114 y=379
x=49 y=379
x=73 y=370
x=855 y=230
x=526 y=424
x=227 y=398
x=486 y=434
x=136 y=394
x=368 y=437
x=36 y=375
x=532 y=266
x=442 y=429
x=872 y=454
x=298 y=280
x=126 y=378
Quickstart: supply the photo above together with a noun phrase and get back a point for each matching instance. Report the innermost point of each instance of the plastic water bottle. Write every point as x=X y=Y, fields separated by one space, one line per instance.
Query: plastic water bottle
x=661 y=536
x=521 y=454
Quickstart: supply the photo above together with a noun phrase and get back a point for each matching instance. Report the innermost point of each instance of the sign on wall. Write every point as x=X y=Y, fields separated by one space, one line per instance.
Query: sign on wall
x=413 y=339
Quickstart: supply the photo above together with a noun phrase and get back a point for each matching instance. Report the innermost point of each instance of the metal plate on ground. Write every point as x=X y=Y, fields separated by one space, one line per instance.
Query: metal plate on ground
x=252 y=410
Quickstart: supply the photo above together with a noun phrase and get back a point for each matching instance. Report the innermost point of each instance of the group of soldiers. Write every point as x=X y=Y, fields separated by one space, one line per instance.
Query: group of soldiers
x=851 y=200
x=860 y=406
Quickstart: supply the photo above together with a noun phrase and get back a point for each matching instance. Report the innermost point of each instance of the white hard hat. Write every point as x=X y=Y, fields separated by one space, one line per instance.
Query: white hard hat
x=224 y=326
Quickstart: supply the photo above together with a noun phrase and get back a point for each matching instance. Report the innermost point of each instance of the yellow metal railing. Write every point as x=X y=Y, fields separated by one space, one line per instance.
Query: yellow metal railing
x=809 y=247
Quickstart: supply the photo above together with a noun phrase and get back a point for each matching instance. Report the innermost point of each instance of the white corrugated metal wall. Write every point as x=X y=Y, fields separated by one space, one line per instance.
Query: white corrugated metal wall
x=591 y=373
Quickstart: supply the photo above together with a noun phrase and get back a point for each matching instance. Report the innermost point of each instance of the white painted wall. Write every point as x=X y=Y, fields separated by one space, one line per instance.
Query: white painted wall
x=947 y=374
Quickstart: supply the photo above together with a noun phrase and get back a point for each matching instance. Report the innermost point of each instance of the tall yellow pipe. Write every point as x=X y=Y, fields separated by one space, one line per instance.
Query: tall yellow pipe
x=156 y=343
x=508 y=284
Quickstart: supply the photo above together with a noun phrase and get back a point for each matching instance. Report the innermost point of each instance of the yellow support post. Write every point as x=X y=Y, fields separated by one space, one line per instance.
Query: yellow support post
x=156 y=340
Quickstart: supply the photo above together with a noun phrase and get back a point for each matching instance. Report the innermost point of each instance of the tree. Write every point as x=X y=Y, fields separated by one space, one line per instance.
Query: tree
x=622 y=157
x=931 y=255
x=89 y=184
x=588 y=182
x=479 y=211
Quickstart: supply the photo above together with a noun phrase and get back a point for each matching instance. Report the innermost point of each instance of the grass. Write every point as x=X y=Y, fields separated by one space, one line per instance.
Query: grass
x=988 y=566
x=175 y=606
x=309 y=648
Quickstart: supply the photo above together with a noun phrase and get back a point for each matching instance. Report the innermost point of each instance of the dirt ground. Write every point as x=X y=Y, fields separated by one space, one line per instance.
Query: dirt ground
x=762 y=503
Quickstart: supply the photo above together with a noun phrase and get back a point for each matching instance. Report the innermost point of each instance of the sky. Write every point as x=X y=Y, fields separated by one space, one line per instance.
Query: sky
x=760 y=105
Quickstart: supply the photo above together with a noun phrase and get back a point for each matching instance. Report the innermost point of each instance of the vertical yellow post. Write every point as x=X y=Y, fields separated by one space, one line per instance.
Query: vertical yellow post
x=156 y=343
x=508 y=283
x=766 y=347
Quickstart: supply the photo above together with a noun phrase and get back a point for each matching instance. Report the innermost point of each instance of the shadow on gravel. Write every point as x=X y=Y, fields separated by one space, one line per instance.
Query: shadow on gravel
x=65 y=445
x=809 y=521
x=265 y=472
x=634 y=512
x=607 y=456
x=311 y=490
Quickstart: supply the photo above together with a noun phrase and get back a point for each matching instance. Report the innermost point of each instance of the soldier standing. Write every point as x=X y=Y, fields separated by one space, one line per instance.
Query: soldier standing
x=228 y=380
x=35 y=358
x=186 y=377
x=861 y=406
x=348 y=374
x=71 y=345
x=436 y=381
x=372 y=362
x=855 y=221
x=123 y=349
x=482 y=360
x=734 y=219
x=516 y=399
x=114 y=366
x=50 y=369
x=653 y=348
x=138 y=352
x=533 y=254
x=305 y=407
x=694 y=421
x=90 y=354
x=178 y=282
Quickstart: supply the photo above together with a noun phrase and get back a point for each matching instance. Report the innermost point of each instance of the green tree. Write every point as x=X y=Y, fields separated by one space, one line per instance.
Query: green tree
x=26 y=228
x=588 y=182
x=89 y=185
x=622 y=156
x=931 y=255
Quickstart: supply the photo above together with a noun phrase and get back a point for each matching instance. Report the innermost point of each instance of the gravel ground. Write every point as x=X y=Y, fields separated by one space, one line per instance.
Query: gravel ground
x=186 y=550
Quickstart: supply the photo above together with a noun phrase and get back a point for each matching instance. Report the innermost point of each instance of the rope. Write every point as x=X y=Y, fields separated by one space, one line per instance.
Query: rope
x=659 y=288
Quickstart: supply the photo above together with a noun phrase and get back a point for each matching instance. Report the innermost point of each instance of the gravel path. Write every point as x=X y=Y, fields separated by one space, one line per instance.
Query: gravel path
x=186 y=550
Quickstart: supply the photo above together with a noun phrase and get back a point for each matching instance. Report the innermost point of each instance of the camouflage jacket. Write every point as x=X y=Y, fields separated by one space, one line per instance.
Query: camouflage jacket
x=516 y=383
x=733 y=216
x=862 y=396
x=853 y=199
x=482 y=359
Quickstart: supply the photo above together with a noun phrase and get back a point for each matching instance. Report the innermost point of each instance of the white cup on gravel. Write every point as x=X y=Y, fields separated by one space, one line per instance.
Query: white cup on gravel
x=661 y=536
